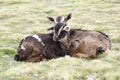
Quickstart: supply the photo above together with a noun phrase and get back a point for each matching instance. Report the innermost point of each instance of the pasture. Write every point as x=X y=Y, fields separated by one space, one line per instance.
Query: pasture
x=21 y=17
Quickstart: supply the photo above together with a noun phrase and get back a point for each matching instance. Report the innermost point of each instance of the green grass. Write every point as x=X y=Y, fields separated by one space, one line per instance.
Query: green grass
x=21 y=17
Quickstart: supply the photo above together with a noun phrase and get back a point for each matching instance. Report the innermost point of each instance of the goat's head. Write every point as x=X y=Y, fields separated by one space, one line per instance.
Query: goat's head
x=60 y=28
x=20 y=56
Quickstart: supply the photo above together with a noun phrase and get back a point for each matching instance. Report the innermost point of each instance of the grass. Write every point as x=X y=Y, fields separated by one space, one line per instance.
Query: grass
x=21 y=17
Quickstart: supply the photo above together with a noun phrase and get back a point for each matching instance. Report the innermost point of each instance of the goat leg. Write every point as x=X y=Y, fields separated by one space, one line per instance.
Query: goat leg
x=35 y=58
x=82 y=55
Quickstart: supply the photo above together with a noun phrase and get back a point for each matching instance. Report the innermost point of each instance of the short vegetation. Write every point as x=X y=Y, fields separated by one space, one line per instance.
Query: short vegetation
x=21 y=17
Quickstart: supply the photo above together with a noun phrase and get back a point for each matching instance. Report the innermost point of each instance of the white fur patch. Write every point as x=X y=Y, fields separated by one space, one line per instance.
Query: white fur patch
x=55 y=21
x=38 y=38
x=60 y=30
x=67 y=56
x=22 y=47
x=62 y=19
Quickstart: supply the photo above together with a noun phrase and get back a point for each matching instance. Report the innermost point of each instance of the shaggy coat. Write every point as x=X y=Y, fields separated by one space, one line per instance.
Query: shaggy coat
x=38 y=47
x=86 y=43
x=77 y=42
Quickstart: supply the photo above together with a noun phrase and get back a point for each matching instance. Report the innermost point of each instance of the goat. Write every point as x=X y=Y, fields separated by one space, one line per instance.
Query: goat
x=37 y=47
x=77 y=42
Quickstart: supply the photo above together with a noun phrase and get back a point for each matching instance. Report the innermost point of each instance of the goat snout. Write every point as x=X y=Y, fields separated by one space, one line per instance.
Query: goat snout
x=16 y=57
x=55 y=38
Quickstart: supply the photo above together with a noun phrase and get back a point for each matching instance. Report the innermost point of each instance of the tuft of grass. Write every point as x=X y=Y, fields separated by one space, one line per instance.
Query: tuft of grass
x=7 y=51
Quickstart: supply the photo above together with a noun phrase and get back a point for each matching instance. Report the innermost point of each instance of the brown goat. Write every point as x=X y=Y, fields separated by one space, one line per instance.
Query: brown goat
x=77 y=42
x=38 y=47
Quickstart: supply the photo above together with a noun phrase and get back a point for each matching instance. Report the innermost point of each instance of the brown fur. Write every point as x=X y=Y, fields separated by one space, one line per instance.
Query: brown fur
x=86 y=43
x=35 y=51
x=77 y=42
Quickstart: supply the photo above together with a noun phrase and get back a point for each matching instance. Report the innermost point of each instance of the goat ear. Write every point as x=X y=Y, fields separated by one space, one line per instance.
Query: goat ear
x=68 y=17
x=51 y=19
x=50 y=28
x=66 y=28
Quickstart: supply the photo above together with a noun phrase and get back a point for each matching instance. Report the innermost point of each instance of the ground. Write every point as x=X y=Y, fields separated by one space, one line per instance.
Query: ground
x=21 y=17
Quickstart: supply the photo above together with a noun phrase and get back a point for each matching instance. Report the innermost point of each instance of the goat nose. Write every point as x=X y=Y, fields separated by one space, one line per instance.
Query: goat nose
x=16 y=57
